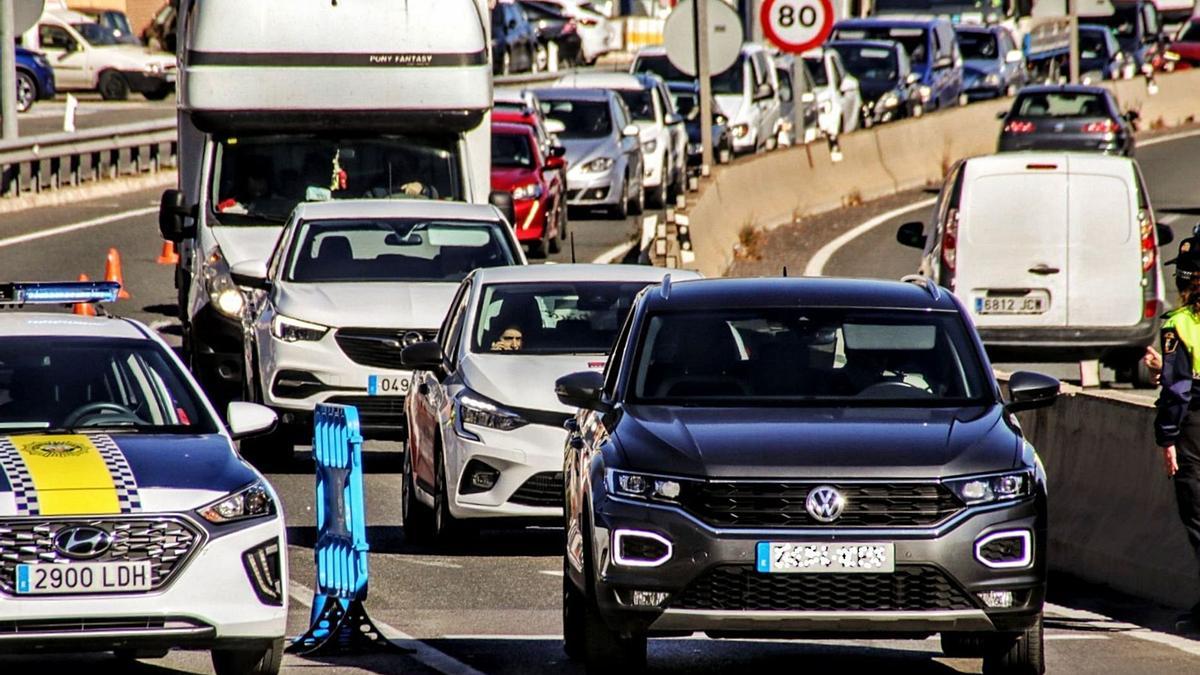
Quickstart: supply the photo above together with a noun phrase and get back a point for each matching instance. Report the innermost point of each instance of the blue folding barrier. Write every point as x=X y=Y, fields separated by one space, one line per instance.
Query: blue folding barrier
x=339 y=619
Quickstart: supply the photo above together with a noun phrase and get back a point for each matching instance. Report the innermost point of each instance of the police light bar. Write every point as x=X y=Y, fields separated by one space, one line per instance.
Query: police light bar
x=58 y=292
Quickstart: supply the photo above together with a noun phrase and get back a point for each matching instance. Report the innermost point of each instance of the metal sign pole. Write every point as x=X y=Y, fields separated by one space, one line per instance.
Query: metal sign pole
x=700 y=25
x=8 y=71
x=1073 y=13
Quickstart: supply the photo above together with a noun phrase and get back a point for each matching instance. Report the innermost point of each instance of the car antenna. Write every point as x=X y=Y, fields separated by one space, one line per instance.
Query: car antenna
x=665 y=291
x=573 y=248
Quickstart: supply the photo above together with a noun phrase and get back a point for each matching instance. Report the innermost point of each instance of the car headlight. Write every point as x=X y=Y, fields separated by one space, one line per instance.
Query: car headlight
x=476 y=410
x=531 y=191
x=641 y=486
x=650 y=146
x=599 y=165
x=294 y=330
x=741 y=130
x=992 y=80
x=889 y=100
x=222 y=292
x=925 y=91
x=252 y=501
x=995 y=488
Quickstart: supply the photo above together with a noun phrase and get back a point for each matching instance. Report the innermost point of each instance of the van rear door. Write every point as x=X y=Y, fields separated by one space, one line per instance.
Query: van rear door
x=1104 y=263
x=1012 y=265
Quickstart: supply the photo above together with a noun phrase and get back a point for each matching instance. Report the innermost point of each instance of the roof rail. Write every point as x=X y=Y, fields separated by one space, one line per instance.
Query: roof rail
x=925 y=282
x=665 y=290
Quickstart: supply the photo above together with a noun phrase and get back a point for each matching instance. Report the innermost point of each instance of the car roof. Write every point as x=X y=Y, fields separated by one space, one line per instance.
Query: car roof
x=512 y=128
x=898 y=22
x=578 y=272
x=31 y=323
x=396 y=208
x=602 y=80
x=877 y=44
x=574 y=94
x=1059 y=88
x=800 y=292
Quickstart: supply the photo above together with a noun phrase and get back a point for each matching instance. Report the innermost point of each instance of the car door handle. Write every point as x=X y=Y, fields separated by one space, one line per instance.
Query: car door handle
x=1044 y=270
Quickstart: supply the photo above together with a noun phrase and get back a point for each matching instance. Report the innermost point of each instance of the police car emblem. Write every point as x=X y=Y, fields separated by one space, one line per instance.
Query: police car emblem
x=54 y=449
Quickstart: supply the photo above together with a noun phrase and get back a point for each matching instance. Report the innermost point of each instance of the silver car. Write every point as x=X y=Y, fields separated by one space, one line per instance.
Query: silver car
x=604 y=153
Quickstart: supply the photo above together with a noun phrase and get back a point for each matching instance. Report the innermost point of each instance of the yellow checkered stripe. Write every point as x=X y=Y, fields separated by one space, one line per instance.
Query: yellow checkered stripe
x=68 y=475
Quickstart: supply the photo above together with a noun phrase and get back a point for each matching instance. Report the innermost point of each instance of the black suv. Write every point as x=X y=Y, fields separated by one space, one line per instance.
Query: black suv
x=802 y=457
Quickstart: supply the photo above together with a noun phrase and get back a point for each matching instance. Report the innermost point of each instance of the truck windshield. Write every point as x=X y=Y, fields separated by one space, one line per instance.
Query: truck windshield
x=260 y=179
x=795 y=355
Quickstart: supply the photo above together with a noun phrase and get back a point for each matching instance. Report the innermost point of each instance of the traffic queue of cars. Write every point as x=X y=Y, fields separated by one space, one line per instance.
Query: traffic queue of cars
x=526 y=34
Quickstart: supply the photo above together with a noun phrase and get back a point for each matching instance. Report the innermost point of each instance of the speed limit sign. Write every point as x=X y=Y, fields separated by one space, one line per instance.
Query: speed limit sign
x=797 y=25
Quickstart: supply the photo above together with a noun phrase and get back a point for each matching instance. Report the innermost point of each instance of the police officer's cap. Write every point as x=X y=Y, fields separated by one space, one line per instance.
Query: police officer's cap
x=1187 y=263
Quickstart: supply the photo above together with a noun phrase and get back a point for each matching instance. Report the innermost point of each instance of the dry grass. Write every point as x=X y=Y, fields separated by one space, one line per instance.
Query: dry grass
x=750 y=237
x=852 y=198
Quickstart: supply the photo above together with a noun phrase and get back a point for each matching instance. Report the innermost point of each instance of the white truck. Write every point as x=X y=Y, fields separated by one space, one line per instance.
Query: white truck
x=283 y=102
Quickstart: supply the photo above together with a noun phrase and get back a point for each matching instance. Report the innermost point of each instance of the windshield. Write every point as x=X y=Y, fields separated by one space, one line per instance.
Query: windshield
x=798 y=355
x=1061 y=105
x=640 y=103
x=726 y=82
x=572 y=317
x=687 y=104
x=97 y=35
x=62 y=384
x=872 y=64
x=816 y=66
x=262 y=178
x=915 y=40
x=1092 y=44
x=580 y=119
x=977 y=45
x=395 y=250
x=511 y=151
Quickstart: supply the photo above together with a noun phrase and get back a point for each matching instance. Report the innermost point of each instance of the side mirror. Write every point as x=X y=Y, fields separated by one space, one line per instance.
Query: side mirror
x=849 y=85
x=672 y=119
x=1165 y=235
x=763 y=91
x=250 y=274
x=423 y=356
x=808 y=97
x=249 y=419
x=1014 y=56
x=504 y=201
x=557 y=151
x=171 y=212
x=581 y=390
x=912 y=235
x=554 y=163
x=631 y=131
x=912 y=78
x=1029 y=391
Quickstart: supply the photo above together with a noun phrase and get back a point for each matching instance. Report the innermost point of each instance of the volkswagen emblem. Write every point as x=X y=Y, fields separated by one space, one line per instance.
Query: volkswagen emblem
x=825 y=504
x=82 y=542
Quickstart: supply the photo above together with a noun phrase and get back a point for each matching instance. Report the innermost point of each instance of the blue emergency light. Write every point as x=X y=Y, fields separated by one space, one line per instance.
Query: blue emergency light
x=58 y=292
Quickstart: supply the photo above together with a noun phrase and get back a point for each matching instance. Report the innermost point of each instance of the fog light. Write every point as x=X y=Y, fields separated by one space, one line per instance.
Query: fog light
x=262 y=567
x=647 y=598
x=478 y=477
x=1011 y=549
x=636 y=548
x=997 y=599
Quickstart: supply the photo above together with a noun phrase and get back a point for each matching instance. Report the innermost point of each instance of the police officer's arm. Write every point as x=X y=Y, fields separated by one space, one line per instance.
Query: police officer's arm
x=1176 y=391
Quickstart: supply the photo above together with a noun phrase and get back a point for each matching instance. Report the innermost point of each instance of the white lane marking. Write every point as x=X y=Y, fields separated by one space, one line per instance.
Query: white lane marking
x=73 y=227
x=1181 y=643
x=816 y=265
x=1066 y=636
x=612 y=254
x=430 y=563
x=434 y=658
x=1169 y=138
x=551 y=573
x=501 y=637
x=1101 y=621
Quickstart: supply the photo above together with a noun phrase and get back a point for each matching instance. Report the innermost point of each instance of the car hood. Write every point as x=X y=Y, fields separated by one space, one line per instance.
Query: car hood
x=239 y=244
x=116 y=473
x=580 y=151
x=136 y=55
x=525 y=381
x=871 y=90
x=815 y=443
x=980 y=68
x=375 y=304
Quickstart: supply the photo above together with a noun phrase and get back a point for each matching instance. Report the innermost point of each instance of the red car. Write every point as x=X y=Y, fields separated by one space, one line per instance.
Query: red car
x=534 y=177
x=1184 y=50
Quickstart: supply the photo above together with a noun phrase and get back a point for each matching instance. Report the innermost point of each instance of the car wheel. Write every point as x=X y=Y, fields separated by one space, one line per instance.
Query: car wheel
x=605 y=650
x=620 y=211
x=537 y=247
x=264 y=660
x=113 y=86
x=445 y=527
x=574 y=610
x=159 y=94
x=563 y=221
x=27 y=91
x=637 y=202
x=657 y=197
x=553 y=241
x=1019 y=654
x=416 y=518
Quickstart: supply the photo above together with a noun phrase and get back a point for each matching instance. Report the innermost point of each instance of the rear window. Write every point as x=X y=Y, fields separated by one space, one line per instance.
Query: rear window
x=870 y=63
x=1061 y=104
x=915 y=40
x=640 y=103
x=976 y=45
x=511 y=151
x=580 y=119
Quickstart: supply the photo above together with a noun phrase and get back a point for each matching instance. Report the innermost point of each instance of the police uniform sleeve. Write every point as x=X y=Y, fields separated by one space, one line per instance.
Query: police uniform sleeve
x=1176 y=391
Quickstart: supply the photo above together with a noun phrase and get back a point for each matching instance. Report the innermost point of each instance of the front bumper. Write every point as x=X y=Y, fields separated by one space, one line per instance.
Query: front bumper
x=1071 y=343
x=700 y=553
x=530 y=462
x=143 y=82
x=187 y=613
x=531 y=218
x=594 y=189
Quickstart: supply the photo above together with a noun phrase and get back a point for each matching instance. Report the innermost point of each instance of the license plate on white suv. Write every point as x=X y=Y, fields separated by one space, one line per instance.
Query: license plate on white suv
x=81 y=577
x=775 y=557
x=387 y=385
x=1033 y=302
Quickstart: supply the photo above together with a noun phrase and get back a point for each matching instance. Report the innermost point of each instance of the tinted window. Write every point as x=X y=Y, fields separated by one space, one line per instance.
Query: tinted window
x=1123 y=21
x=797 y=355
x=395 y=250
x=816 y=66
x=1061 y=104
x=53 y=37
x=975 y=45
x=1191 y=32
x=640 y=103
x=915 y=40
x=1092 y=45
x=582 y=119
x=511 y=150
x=870 y=63
x=553 y=318
x=726 y=82
x=93 y=384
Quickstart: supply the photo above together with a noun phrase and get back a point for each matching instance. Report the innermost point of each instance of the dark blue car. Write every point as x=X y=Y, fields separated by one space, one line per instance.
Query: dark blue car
x=35 y=78
x=932 y=49
x=993 y=66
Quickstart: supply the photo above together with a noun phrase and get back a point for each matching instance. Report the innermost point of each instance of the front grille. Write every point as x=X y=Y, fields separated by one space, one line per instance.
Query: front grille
x=376 y=347
x=168 y=542
x=376 y=411
x=542 y=489
x=742 y=588
x=771 y=504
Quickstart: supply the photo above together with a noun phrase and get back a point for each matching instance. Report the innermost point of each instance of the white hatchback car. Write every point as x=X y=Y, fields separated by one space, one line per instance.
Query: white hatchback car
x=90 y=57
x=348 y=285
x=128 y=523
x=486 y=432
x=839 y=98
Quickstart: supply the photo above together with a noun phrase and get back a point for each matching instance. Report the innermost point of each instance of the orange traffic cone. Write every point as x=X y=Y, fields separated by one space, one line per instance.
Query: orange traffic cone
x=112 y=272
x=84 y=308
x=169 y=255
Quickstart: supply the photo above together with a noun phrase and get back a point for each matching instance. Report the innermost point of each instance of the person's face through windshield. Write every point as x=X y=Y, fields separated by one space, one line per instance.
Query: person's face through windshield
x=511 y=340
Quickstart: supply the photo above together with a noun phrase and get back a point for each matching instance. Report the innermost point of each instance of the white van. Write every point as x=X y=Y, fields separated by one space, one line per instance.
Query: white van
x=1055 y=256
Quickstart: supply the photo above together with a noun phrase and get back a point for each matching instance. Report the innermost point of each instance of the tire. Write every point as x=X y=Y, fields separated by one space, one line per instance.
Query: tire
x=112 y=86
x=573 y=611
x=564 y=221
x=553 y=243
x=417 y=518
x=537 y=247
x=621 y=210
x=637 y=204
x=159 y=94
x=27 y=91
x=444 y=528
x=657 y=197
x=1017 y=654
x=1140 y=375
x=604 y=650
x=264 y=660
x=918 y=110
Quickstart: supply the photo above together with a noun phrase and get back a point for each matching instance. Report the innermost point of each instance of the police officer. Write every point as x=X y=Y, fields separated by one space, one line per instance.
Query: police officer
x=1177 y=423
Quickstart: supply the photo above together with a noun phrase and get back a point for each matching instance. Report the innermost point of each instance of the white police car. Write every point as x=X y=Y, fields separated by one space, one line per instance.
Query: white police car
x=127 y=520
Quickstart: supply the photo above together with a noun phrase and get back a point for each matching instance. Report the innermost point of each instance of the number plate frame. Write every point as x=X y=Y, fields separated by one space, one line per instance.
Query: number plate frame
x=388 y=385
x=998 y=303
x=776 y=557
x=85 y=578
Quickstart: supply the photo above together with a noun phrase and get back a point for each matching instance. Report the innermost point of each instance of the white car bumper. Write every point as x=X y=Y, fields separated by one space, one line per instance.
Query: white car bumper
x=519 y=456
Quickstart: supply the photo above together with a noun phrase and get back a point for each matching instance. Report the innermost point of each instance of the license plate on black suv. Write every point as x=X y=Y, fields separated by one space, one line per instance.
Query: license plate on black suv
x=773 y=558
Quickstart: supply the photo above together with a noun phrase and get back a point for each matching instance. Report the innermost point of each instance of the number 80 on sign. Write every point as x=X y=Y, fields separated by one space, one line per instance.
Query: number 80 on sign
x=797 y=25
